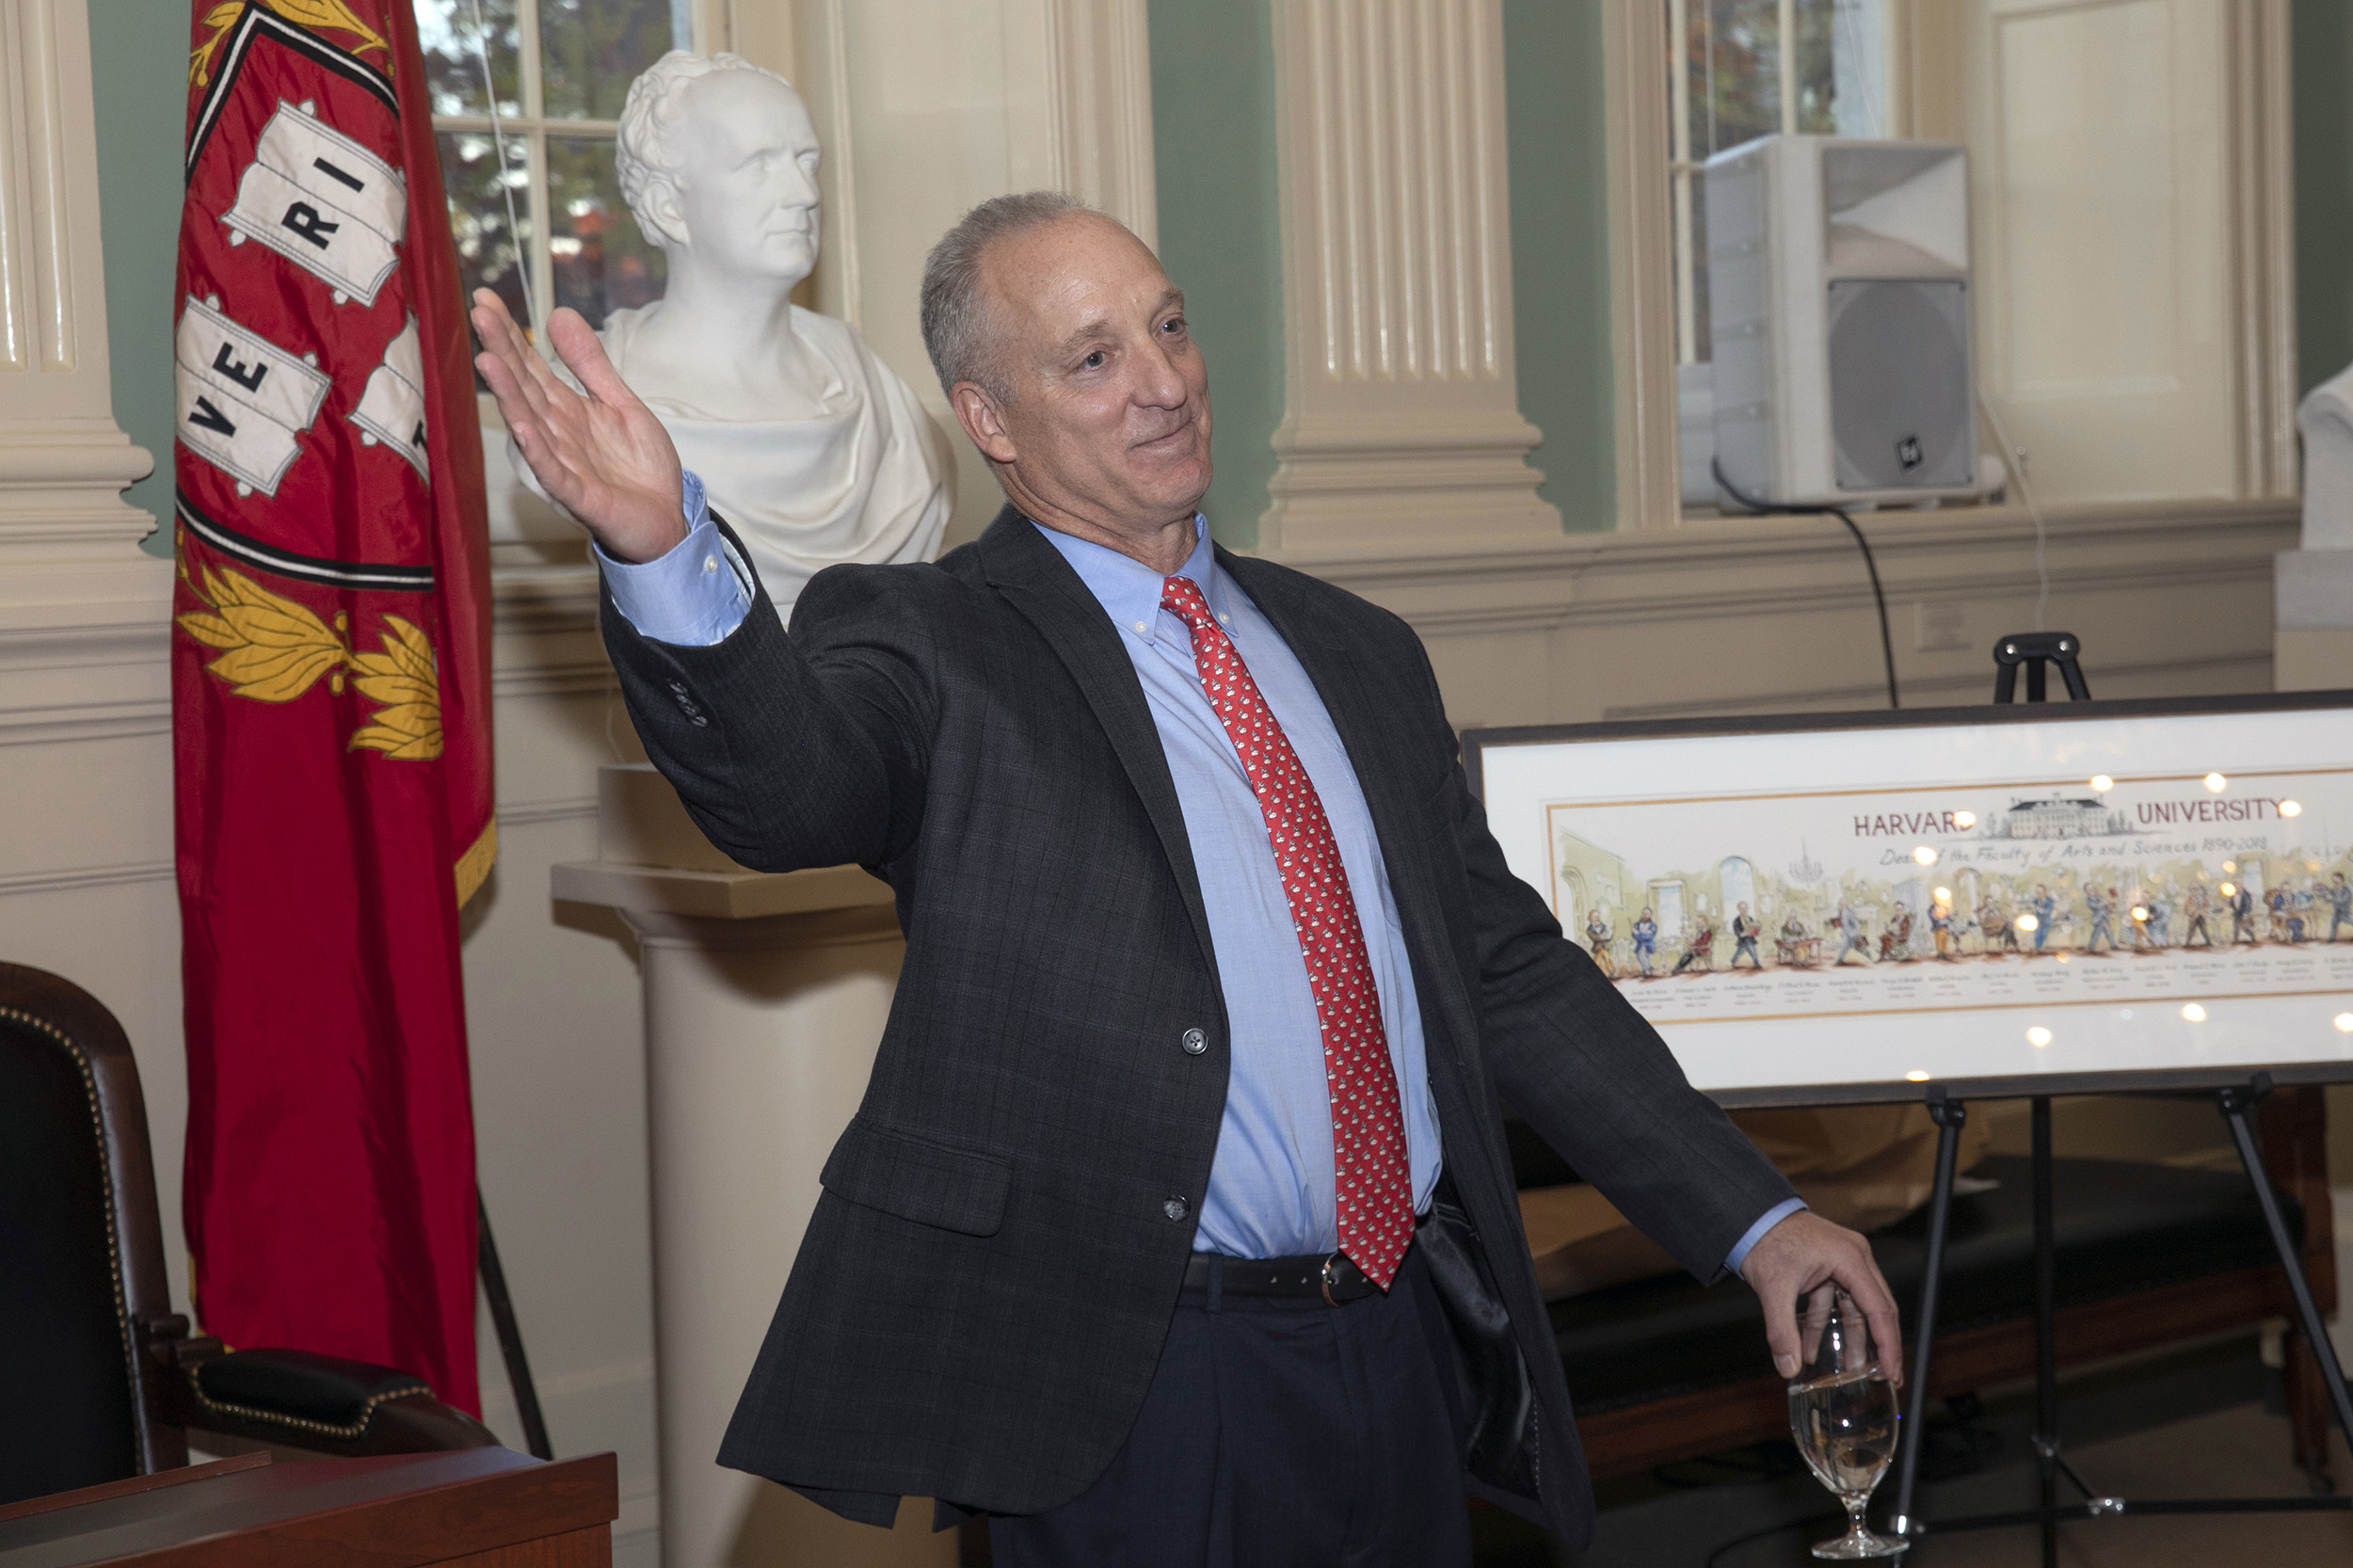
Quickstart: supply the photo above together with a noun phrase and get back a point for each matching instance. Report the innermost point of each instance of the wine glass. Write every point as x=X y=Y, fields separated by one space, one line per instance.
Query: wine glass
x=1842 y=1413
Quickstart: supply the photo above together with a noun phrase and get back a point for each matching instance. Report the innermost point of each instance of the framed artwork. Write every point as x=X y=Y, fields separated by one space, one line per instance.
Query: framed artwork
x=2043 y=899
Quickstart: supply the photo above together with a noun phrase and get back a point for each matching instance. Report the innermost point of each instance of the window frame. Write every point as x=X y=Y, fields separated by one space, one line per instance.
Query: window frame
x=708 y=25
x=1928 y=45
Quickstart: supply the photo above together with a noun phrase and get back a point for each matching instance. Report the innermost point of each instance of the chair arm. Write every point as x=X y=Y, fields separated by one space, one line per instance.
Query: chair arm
x=299 y=1400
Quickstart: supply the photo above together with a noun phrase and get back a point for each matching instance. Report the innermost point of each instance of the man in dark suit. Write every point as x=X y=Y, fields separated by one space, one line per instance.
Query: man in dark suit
x=1176 y=1225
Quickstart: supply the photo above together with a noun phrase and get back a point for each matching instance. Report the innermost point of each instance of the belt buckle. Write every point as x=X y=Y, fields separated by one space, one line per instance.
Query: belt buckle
x=1324 y=1275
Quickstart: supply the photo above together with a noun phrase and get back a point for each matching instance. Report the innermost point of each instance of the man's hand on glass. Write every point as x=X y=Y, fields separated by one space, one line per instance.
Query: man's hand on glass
x=1805 y=1251
x=603 y=456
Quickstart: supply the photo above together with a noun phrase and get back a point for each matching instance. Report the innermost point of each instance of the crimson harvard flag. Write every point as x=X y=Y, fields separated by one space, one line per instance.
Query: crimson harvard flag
x=330 y=693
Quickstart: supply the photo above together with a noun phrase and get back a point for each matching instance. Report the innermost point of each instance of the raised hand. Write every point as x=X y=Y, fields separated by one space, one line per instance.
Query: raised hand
x=603 y=456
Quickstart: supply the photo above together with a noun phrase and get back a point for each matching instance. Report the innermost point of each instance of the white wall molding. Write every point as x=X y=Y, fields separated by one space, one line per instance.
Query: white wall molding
x=1775 y=613
x=36 y=724
x=86 y=877
x=1401 y=398
x=527 y=813
x=2246 y=671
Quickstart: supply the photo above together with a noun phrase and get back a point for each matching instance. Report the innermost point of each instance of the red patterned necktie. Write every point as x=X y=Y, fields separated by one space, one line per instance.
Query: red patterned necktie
x=1372 y=1177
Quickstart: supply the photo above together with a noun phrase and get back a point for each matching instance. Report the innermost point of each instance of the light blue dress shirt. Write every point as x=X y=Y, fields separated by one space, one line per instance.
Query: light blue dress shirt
x=1271 y=1185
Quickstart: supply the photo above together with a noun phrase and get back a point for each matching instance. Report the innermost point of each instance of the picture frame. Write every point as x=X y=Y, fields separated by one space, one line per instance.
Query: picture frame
x=2001 y=900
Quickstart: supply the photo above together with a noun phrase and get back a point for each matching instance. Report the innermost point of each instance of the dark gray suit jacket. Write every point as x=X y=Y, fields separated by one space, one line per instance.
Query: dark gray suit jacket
x=981 y=1299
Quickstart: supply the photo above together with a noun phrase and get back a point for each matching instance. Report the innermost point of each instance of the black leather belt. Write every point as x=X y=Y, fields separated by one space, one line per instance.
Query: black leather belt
x=1330 y=1278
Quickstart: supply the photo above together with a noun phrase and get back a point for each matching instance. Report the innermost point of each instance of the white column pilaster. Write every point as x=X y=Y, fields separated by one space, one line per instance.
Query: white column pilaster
x=83 y=613
x=63 y=461
x=765 y=1001
x=1402 y=424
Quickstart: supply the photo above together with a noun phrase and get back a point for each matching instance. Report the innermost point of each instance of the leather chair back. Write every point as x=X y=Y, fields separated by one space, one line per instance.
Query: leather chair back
x=81 y=1255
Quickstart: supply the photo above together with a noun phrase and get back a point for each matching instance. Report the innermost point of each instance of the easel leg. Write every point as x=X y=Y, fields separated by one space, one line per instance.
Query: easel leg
x=2235 y=1103
x=1949 y=1114
x=2047 y=1440
x=2308 y=1413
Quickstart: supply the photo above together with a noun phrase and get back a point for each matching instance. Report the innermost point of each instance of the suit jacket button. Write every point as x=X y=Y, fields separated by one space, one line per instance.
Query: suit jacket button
x=1196 y=1042
x=1175 y=1208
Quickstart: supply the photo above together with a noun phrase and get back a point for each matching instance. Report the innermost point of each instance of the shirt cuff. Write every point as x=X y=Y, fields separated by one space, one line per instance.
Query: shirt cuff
x=1755 y=1233
x=693 y=596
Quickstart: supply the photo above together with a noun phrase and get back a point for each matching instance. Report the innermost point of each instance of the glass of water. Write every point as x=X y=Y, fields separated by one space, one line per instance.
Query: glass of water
x=1842 y=1414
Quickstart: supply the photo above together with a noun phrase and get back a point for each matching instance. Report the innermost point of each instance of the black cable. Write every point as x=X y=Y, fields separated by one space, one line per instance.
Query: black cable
x=510 y=1336
x=1887 y=644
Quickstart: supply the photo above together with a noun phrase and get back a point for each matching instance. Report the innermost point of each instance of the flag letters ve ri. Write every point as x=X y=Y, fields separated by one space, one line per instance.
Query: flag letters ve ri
x=324 y=202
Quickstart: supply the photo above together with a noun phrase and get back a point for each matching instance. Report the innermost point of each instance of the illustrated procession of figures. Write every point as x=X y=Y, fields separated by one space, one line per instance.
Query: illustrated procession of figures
x=2215 y=869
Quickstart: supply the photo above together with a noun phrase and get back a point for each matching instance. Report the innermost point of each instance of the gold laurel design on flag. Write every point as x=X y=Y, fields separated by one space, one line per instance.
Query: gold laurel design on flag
x=273 y=649
x=408 y=728
x=331 y=15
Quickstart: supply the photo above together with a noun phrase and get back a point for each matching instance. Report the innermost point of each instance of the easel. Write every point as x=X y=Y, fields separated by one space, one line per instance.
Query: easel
x=2034 y=650
x=2236 y=1102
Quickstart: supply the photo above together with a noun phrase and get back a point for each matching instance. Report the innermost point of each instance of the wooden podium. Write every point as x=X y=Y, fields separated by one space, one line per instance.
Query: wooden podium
x=486 y=1508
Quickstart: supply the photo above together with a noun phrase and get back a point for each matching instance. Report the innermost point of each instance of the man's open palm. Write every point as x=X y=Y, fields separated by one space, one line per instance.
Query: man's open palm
x=603 y=457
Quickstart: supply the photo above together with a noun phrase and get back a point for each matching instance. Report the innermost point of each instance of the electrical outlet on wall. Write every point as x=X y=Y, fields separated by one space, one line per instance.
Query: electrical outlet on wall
x=1936 y=626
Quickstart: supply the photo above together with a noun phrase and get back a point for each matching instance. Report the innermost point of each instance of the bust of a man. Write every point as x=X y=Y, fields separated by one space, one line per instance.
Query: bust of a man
x=813 y=449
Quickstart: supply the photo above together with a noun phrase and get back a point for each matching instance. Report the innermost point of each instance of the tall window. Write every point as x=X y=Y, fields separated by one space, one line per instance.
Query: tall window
x=1738 y=69
x=559 y=69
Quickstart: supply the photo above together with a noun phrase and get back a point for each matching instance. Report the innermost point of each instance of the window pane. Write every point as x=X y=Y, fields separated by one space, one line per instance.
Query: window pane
x=1735 y=92
x=591 y=50
x=453 y=60
x=600 y=260
x=487 y=257
x=1730 y=58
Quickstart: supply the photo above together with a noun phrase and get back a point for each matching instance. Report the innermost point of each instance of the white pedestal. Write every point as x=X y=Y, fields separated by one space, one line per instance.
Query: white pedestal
x=766 y=998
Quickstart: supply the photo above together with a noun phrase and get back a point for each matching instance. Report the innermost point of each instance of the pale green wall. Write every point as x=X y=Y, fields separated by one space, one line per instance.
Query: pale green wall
x=1558 y=129
x=2323 y=53
x=1221 y=236
x=139 y=74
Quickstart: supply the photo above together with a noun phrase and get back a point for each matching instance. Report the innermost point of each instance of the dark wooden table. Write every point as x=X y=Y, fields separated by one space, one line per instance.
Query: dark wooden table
x=486 y=1507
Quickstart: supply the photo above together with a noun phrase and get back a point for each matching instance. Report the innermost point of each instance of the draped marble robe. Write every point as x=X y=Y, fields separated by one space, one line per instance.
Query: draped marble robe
x=865 y=479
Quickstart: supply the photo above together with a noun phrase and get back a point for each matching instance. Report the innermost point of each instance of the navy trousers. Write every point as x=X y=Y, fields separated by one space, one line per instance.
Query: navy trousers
x=1278 y=1433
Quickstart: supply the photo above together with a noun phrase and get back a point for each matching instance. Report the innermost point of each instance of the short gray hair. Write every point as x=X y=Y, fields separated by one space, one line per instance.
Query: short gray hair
x=955 y=334
x=656 y=102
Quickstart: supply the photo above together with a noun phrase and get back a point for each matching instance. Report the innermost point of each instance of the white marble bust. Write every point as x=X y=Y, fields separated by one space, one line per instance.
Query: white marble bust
x=813 y=449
